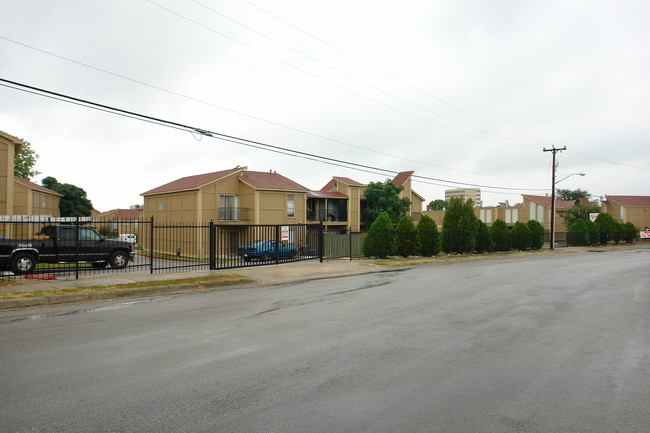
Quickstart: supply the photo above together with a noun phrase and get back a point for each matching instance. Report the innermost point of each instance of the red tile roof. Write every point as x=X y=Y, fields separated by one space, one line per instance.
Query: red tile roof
x=630 y=200
x=270 y=180
x=402 y=177
x=345 y=180
x=546 y=201
x=192 y=182
x=35 y=186
x=122 y=213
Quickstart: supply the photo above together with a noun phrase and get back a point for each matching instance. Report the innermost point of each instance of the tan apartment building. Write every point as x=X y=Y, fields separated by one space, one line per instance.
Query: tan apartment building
x=473 y=193
x=629 y=208
x=9 y=145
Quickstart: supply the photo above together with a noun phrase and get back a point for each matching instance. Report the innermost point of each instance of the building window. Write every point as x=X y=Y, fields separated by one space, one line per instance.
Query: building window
x=228 y=207
x=291 y=206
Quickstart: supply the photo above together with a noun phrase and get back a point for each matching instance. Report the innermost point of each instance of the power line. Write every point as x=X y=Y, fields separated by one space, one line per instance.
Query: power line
x=225 y=137
x=171 y=92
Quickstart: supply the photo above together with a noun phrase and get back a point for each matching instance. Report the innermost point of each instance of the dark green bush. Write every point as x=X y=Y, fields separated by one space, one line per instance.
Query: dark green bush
x=408 y=240
x=429 y=236
x=459 y=227
x=381 y=240
x=520 y=235
x=578 y=234
x=536 y=234
x=631 y=233
x=483 y=238
x=501 y=236
x=592 y=229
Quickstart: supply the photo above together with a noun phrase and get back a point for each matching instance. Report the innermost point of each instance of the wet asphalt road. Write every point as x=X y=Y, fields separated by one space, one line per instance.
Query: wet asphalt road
x=550 y=344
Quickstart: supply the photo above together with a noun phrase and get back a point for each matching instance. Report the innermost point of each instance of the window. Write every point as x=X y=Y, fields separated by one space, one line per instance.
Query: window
x=228 y=207
x=291 y=206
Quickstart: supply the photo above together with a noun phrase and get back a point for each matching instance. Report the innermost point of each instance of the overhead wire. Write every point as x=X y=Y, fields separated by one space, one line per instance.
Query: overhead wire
x=239 y=140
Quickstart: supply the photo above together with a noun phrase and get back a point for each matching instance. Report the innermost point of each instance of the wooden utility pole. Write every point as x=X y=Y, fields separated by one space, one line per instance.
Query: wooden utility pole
x=554 y=150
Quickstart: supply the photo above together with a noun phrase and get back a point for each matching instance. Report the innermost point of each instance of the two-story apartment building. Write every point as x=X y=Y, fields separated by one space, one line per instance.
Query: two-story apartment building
x=629 y=208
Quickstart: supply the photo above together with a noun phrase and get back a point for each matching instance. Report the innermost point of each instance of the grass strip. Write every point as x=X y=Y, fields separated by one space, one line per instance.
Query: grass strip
x=107 y=287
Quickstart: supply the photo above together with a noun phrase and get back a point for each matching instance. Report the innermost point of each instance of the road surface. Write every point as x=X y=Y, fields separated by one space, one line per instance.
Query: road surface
x=555 y=343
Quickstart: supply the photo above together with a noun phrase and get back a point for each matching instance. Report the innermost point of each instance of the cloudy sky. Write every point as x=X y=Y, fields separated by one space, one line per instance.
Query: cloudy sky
x=465 y=93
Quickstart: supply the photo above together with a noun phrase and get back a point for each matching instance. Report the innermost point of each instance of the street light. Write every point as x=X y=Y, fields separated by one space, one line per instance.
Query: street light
x=553 y=207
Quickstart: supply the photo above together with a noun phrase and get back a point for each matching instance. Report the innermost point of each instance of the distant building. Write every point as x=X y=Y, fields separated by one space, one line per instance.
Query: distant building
x=473 y=193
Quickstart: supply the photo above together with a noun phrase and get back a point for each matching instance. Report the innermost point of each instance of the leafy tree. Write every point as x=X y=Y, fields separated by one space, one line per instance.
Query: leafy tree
x=25 y=160
x=607 y=224
x=580 y=211
x=572 y=194
x=536 y=234
x=483 y=238
x=501 y=236
x=437 y=205
x=380 y=240
x=429 y=236
x=630 y=232
x=578 y=234
x=619 y=232
x=592 y=229
x=520 y=234
x=459 y=227
x=74 y=201
x=408 y=241
x=384 y=197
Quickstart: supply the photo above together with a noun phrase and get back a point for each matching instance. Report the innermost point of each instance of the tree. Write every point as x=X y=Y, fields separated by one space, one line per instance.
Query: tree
x=572 y=194
x=429 y=237
x=607 y=225
x=536 y=234
x=501 y=236
x=520 y=235
x=408 y=240
x=25 y=160
x=580 y=211
x=437 y=205
x=380 y=240
x=74 y=201
x=384 y=197
x=592 y=229
x=578 y=234
x=630 y=232
x=483 y=238
x=459 y=227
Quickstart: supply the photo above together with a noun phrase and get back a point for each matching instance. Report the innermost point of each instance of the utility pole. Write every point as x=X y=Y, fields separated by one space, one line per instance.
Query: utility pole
x=554 y=150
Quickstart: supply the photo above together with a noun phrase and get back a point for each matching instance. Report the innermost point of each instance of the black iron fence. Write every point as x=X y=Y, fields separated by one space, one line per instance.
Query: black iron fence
x=45 y=247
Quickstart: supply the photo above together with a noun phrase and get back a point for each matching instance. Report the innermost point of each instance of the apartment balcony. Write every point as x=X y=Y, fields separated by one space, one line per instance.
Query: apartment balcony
x=232 y=214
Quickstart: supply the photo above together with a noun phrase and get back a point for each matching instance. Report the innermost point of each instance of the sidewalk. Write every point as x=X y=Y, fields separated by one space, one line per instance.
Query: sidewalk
x=252 y=276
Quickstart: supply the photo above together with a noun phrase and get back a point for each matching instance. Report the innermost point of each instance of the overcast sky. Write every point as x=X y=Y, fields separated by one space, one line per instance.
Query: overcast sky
x=462 y=92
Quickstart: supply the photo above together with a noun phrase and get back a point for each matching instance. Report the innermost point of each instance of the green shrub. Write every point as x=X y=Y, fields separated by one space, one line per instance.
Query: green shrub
x=408 y=241
x=536 y=234
x=520 y=235
x=607 y=224
x=592 y=229
x=578 y=234
x=483 y=238
x=501 y=236
x=380 y=240
x=459 y=227
x=429 y=236
x=631 y=233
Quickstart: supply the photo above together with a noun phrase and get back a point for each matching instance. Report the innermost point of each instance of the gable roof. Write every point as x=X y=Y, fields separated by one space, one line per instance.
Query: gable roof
x=630 y=200
x=192 y=182
x=345 y=180
x=326 y=194
x=546 y=201
x=402 y=177
x=35 y=186
x=270 y=180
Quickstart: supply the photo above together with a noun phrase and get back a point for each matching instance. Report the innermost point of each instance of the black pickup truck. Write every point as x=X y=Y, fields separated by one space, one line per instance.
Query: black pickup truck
x=63 y=243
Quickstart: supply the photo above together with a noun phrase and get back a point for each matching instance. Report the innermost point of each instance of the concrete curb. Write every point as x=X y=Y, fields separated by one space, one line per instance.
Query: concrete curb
x=77 y=298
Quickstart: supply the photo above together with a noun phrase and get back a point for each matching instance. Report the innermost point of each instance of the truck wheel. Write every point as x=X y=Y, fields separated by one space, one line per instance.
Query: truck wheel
x=292 y=255
x=23 y=263
x=119 y=260
x=99 y=265
x=265 y=256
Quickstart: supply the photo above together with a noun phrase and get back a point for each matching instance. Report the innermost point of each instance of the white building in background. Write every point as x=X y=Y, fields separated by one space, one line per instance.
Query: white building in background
x=473 y=193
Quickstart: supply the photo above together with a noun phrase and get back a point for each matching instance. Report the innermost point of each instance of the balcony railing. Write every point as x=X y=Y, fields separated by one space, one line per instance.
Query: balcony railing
x=233 y=214
x=325 y=215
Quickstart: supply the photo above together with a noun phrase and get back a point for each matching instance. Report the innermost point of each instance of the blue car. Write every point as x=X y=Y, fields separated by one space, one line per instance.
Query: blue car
x=266 y=249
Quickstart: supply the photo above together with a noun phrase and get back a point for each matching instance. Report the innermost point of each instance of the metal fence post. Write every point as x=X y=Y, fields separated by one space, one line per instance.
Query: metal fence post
x=321 y=241
x=151 y=246
x=213 y=246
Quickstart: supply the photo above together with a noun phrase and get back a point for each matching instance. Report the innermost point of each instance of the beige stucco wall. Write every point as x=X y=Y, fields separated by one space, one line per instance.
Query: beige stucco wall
x=8 y=147
x=28 y=201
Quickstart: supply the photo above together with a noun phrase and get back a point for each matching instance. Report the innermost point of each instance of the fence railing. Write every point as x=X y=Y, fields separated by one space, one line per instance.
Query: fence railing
x=68 y=248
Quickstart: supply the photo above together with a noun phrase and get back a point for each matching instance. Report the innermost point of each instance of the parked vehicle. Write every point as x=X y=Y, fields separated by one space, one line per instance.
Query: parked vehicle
x=266 y=249
x=64 y=243
x=128 y=237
